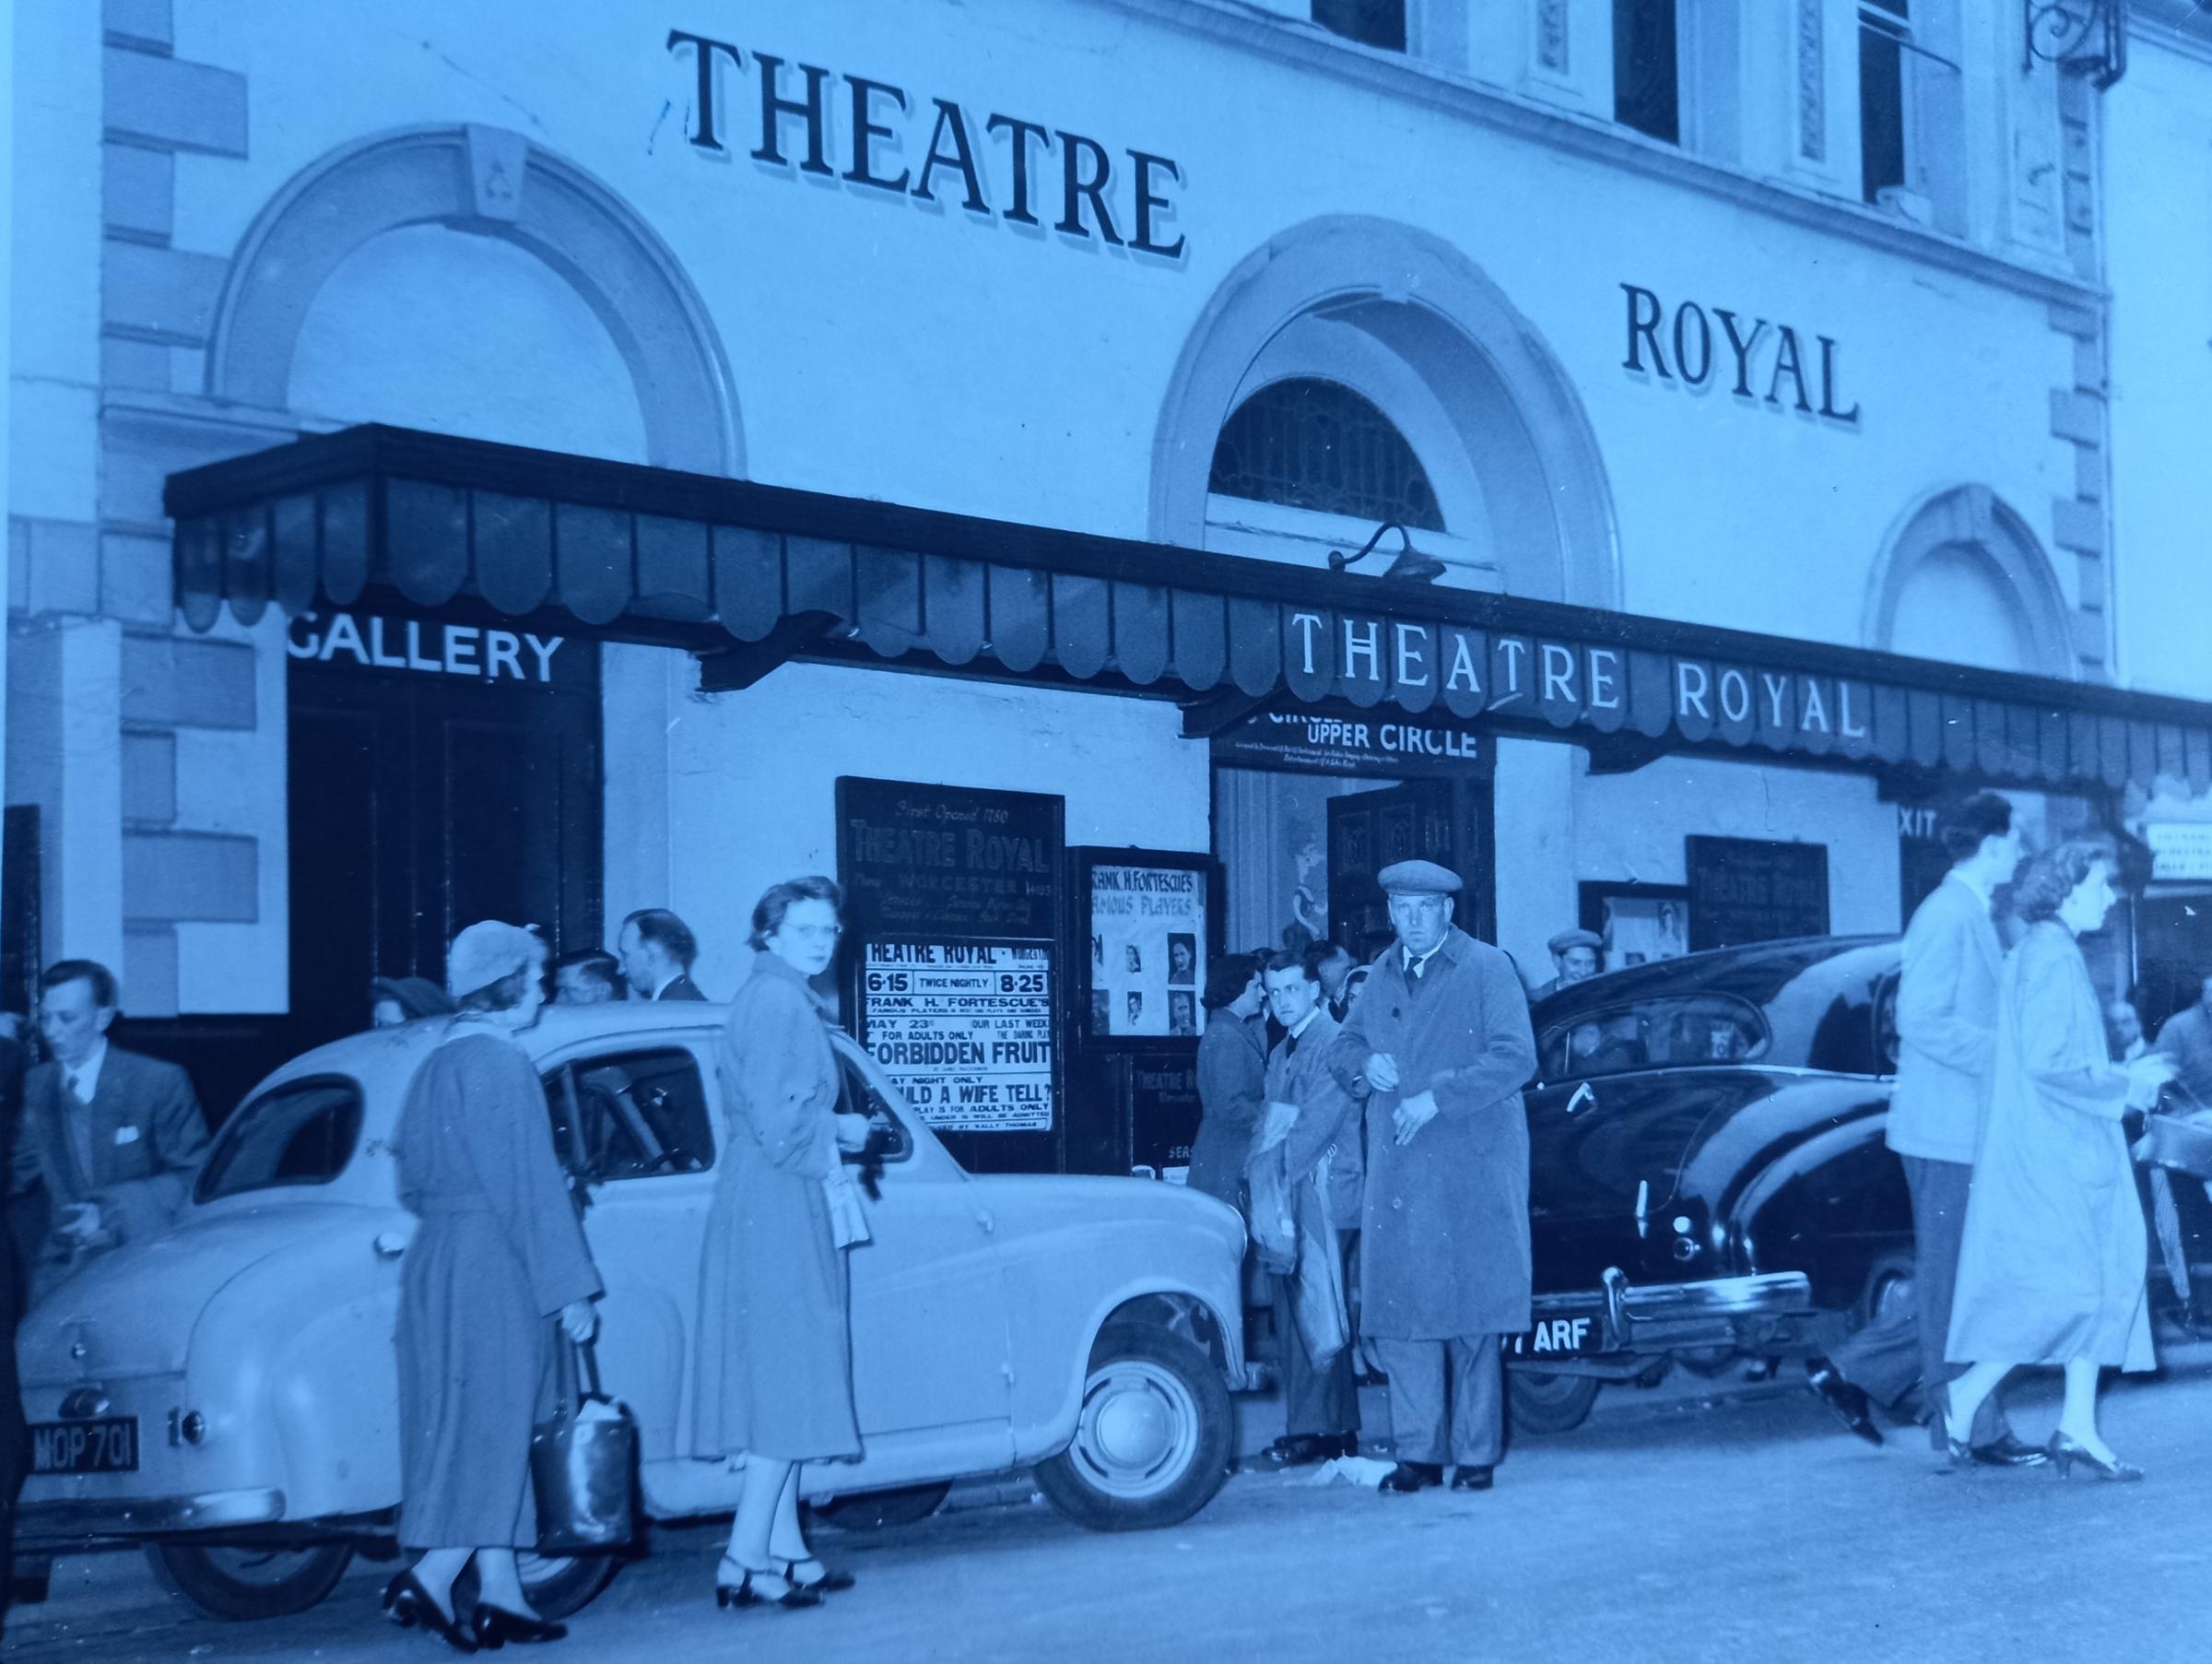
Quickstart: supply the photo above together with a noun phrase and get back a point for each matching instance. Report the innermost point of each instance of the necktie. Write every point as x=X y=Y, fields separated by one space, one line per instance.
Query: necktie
x=69 y=1081
x=1416 y=969
x=1291 y=1046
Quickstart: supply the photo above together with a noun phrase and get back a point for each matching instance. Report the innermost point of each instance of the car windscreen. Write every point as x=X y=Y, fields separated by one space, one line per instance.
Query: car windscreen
x=301 y=1133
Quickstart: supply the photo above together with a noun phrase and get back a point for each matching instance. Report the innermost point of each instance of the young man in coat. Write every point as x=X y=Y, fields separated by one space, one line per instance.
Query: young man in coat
x=1316 y=1123
x=116 y=1139
x=1441 y=1037
x=1946 y=1027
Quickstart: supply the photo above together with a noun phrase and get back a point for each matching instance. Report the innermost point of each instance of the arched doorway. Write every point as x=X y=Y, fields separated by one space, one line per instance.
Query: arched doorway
x=449 y=767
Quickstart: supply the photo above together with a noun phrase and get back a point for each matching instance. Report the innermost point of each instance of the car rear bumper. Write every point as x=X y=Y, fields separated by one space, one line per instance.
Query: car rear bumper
x=1620 y=1319
x=47 y=1525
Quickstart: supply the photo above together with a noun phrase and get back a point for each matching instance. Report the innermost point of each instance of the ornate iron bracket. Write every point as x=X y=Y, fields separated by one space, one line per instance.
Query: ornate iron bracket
x=2085 y=38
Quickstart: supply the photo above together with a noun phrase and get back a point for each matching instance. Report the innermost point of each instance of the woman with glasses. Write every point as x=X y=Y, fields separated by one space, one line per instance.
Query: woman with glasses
x=775 y=1369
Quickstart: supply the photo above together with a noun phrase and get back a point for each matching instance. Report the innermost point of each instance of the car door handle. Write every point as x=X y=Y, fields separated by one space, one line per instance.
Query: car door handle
x=1582 y=1095
x=389 y=1245
x=989 y=1224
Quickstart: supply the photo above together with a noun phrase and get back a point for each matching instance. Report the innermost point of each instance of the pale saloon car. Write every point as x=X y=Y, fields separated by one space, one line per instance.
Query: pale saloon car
x=227 y=1394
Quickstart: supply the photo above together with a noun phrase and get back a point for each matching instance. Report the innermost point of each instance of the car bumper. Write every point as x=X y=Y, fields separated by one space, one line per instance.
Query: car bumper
x=1620 y=1318
x=46 y=1526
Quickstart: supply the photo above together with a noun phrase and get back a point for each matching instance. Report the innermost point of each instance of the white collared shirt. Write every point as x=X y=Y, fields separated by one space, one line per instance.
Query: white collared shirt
x=667 y=982
x=1412 y=959
x=1305 y=1023
x=87 y=1074
x=1980 y=894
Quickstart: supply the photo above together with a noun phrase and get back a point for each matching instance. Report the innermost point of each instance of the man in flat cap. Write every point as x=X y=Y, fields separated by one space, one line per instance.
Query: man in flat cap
x=1575 y=958
x=1441 y=1037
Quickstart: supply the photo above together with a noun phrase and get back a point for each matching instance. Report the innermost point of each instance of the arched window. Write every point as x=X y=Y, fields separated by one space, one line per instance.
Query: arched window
x=1314 y=445
x=1963 y=579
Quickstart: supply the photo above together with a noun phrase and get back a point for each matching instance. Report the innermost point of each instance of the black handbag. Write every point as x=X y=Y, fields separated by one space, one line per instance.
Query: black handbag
x=583 y=1462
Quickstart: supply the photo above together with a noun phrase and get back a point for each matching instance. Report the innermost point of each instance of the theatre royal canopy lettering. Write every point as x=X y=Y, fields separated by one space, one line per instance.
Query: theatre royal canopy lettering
x=877 y=135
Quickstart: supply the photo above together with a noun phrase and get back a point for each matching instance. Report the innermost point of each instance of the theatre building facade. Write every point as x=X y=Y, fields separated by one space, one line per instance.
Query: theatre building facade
x=1099 y=481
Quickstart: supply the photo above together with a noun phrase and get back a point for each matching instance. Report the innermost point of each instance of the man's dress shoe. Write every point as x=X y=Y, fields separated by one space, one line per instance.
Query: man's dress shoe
x=1408 y=1477
x=1304 y=1449
x=2009 y=1452
x=1851 y=1404
x=1471 y=1479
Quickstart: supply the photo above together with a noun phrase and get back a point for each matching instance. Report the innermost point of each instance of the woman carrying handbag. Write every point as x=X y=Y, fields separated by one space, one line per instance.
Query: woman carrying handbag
x=775 y=1374
x=499 y=1252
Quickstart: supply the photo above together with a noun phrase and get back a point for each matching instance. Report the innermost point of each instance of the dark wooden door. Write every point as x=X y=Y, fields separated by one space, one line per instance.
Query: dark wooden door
x=1369 y=831
x=421 y=803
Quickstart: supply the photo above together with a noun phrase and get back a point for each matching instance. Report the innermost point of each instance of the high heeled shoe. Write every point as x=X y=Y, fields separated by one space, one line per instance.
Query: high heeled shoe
x=409 y=1605
x=732 y=1597
x=829 y=1582
x=2064 y=1453
x=494 y=1626
x=1957 y=1452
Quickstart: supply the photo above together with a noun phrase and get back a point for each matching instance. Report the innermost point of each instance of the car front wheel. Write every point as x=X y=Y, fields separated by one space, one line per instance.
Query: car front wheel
x=1152 y=1440
x=245 y=1581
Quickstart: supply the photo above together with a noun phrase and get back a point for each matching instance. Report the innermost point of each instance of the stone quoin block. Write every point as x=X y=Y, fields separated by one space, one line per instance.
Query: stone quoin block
x=2077 y=416
x=2088 y=473
x=134 y=578
x=171 y=683
x=137 y=190
x=2077 y=525
x=65 y=566
x=162 y=292
x=149 y=778
x=2077 y=321
x=150 y=970
x=2089 y=637
x=18 y=564
x=2090 y=582
x=2089 y=365
x=211 y=878
x=166 y=102
x=125 y=363
x=152 y=21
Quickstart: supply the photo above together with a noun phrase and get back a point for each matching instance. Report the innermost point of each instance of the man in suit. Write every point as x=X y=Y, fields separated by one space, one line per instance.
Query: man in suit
x=1442 y=1037
x=657 y=950
x=1946 y=1027
x=1315 y=1123
x=114 y=1139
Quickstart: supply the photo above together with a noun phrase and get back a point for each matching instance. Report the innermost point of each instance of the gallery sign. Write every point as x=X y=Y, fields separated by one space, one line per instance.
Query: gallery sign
x=422 y=646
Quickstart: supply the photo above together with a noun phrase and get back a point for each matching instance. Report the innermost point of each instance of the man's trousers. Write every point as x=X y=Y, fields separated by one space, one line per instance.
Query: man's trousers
x=1465 y=1426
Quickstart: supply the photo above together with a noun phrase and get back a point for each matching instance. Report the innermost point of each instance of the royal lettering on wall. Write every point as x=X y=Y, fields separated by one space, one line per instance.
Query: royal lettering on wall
x=1758 y=359
x=805 y=119
x=1469 y=672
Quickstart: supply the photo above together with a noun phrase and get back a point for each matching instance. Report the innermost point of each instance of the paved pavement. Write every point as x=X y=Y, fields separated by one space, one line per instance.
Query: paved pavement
x=1673 y=1527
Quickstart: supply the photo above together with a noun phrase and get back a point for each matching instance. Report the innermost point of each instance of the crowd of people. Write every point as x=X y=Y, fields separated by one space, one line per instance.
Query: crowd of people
x=499 y=1276
x=1390 y=1105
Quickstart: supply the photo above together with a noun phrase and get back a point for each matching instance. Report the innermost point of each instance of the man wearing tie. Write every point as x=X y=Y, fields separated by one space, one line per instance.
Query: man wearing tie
x=657 y=948
x=114 y=1139
x=1442 y=1037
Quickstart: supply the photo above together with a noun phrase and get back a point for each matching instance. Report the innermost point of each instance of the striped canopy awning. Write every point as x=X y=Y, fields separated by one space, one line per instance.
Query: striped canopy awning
x=421 y=522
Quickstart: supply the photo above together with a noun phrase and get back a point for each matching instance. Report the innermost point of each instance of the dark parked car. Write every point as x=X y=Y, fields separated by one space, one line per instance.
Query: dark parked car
x=1708 y=1178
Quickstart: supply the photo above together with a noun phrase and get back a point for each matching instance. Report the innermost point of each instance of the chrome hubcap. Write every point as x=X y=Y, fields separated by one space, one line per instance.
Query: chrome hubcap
x=1138 y=1431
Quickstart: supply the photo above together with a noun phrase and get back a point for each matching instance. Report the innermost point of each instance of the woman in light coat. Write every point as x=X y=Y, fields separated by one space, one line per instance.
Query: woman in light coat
x=775 y=1369
x=2052 y=1265
x=498 y=1257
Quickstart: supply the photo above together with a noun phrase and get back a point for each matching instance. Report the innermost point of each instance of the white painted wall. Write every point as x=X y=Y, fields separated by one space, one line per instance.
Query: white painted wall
x=2158 y=186
x=750 y=777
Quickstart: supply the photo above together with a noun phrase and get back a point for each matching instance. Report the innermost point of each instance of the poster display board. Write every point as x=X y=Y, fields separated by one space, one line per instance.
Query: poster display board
x=953 y=899
x=1751 y=889
x=1148 y=928
x=964 y=1029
